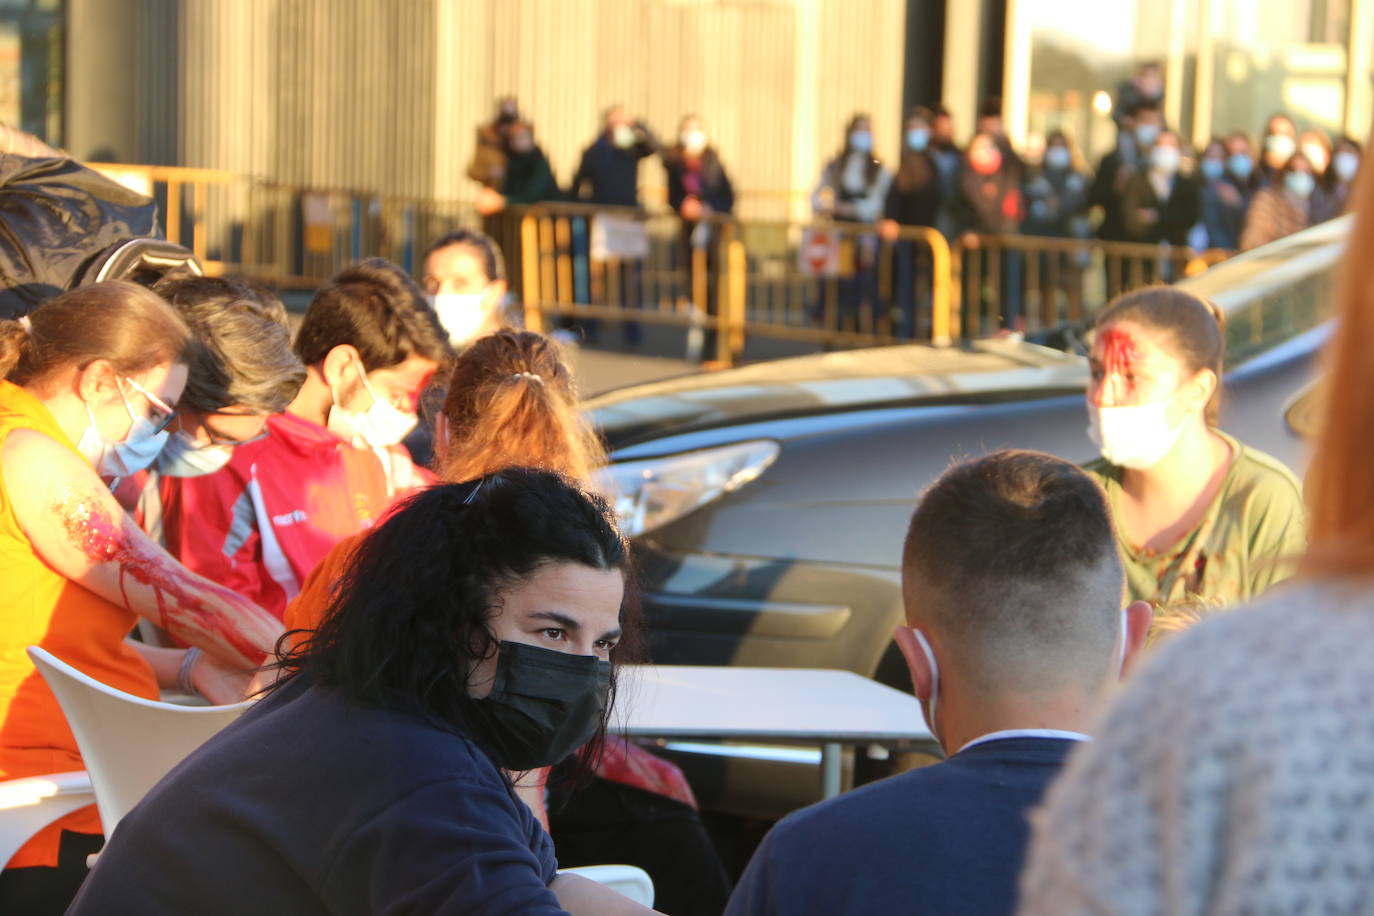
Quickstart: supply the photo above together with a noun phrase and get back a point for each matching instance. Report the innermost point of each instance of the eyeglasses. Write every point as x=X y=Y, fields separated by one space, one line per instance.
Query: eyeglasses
x=163 y=414
x=229 y=441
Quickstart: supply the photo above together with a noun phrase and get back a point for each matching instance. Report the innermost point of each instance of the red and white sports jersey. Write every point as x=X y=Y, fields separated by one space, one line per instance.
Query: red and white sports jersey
x=263 y=522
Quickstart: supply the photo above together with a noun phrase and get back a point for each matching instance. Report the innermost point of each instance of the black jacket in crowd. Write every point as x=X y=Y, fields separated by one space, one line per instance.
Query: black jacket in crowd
x=716 y=191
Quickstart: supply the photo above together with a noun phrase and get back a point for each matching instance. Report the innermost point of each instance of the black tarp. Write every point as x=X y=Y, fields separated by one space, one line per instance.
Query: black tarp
x=56 y=216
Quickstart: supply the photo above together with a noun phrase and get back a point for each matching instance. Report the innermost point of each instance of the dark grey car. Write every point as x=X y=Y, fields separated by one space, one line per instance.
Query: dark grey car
x=769 y=503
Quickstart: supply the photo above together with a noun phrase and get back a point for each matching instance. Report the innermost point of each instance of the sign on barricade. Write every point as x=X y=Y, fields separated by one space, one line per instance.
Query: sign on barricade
x=819 y=254
x=618 y=237
x=318 y=217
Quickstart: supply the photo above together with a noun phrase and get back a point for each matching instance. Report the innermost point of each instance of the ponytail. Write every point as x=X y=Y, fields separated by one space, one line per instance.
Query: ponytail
x=511 y=403
x=14 y=336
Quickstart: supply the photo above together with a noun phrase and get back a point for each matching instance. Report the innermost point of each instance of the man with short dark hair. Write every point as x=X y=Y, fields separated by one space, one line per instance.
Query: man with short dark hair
x=333 y=463
x=1013 y=591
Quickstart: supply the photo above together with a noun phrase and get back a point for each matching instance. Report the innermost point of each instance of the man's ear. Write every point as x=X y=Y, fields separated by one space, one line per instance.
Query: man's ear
x=1139 y=616
x=922 y=677
x=339 y=365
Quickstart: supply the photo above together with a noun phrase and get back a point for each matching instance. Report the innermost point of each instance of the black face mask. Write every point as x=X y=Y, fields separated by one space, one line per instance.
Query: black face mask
x=543 y=705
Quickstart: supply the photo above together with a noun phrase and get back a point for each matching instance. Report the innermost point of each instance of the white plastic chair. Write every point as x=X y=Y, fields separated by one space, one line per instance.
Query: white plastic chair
x=30 y=804
x=626 y=880
x=128 y=743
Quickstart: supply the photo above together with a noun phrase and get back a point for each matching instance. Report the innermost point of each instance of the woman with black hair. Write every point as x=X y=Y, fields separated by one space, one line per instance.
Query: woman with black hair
x=472 y=632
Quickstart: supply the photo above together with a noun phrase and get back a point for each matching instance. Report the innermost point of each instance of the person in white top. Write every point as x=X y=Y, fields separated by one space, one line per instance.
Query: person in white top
x=1013 y=592
x=1235 y=774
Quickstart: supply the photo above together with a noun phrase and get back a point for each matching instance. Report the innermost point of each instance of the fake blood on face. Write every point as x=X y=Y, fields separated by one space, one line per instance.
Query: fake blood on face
x=181 y=599
x=1120 y=358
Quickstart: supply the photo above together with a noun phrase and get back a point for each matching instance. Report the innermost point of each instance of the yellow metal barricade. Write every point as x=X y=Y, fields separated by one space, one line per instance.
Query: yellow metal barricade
x=724 y=281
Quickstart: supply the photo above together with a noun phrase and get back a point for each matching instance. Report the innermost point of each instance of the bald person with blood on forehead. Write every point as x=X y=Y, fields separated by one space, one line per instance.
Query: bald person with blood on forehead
x=1197 y=513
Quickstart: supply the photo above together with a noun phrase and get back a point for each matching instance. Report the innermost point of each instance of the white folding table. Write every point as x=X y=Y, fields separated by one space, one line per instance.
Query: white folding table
x=813 y=705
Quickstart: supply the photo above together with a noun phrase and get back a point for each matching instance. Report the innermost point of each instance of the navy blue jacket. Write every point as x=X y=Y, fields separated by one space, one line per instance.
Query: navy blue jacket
x=311 y=803
x=609 y=175
x=947 y=838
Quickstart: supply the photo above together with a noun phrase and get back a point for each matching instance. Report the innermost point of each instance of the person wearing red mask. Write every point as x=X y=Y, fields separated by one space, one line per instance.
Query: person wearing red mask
x=990 y=205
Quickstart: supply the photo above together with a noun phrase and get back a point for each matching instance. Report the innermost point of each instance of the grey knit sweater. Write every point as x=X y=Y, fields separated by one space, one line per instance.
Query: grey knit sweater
x=1234 y=775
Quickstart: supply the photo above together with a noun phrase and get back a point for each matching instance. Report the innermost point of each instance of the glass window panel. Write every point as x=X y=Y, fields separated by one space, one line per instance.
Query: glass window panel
x=1082 y=48
x=1272 y=57
x=31 y=66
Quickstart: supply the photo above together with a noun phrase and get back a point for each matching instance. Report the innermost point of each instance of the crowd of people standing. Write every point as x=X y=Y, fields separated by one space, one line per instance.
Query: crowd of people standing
x=171 y=456
x=1152 y=188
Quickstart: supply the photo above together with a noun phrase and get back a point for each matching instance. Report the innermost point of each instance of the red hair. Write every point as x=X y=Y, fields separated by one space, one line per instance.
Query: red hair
x=1340 y=489
x=511 y=403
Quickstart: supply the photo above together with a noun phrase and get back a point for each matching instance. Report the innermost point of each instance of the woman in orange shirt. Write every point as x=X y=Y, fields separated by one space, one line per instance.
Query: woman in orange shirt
x=86 y=382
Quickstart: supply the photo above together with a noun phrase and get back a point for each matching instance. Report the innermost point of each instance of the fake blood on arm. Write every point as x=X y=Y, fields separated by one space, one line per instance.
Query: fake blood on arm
x=181 y=597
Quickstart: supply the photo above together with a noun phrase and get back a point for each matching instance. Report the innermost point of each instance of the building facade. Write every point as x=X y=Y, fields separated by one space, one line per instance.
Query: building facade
x=384 y=96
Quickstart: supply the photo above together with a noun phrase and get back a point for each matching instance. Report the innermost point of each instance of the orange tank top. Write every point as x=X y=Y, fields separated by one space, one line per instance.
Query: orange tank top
x=41 y=607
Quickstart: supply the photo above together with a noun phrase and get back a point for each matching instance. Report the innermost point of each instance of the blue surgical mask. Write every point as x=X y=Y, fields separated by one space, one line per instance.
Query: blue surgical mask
x=136 y=451
x=1299 y=184
x=918 y=138
x=182 y=456
x=1146 y=134
x=861 y=141
x=1240 y=165
x=1057 y=158
x=1346 y=164
x=1212 y=169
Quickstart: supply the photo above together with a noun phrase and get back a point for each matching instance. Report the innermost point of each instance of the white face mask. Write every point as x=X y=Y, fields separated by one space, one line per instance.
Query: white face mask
x=136 y=451
x=1135 y=437
x=934 y=681
x=463 y=315
x=1281 y=146
x=1165 y=159
x=623 y=136
x=183 y=456
x=380 y=426
x=694 y=141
